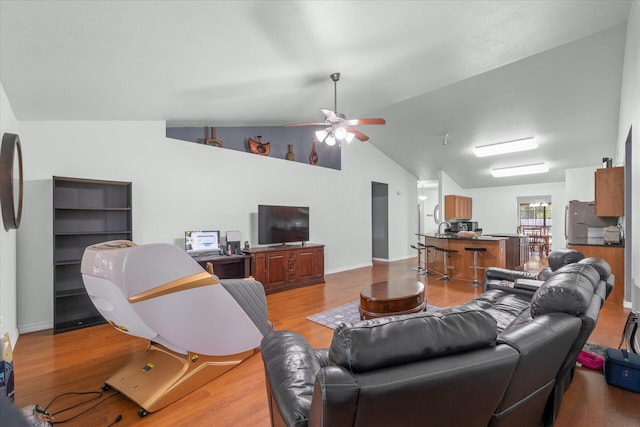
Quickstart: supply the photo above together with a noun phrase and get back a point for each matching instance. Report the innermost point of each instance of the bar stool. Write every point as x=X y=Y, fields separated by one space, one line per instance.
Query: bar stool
x=445 y=255
x=419 y=268
x=475 y=262
x=427 y=251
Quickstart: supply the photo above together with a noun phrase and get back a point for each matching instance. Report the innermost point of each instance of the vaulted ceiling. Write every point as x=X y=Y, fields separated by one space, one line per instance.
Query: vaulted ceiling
x=479 y=72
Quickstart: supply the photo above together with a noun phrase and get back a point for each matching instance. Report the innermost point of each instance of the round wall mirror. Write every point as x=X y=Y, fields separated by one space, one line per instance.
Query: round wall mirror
x=11 y=180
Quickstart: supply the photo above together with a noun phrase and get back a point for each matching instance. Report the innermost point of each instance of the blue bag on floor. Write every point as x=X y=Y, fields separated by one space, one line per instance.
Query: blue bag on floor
x=622 y=369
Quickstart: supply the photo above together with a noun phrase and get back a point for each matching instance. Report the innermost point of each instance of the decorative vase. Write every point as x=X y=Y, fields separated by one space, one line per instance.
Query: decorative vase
x=257 y=147
x=313 y=157
x=290 y=155
x=213 y=140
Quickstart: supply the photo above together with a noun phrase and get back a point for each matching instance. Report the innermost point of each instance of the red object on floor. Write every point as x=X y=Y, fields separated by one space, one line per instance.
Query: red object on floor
x=589 y=360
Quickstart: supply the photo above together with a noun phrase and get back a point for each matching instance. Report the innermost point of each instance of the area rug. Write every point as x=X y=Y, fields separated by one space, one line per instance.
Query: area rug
x=346 y=313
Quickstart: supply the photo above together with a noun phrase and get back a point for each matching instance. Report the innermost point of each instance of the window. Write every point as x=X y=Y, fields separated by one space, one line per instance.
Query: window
x=535 y=216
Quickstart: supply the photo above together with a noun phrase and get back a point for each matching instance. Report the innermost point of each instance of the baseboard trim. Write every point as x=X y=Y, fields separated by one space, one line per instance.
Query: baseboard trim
x=347 y=268
x=35 y=327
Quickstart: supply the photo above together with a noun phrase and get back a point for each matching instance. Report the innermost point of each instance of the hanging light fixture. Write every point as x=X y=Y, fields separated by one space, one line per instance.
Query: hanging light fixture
x=538 y=203
x=336 y=133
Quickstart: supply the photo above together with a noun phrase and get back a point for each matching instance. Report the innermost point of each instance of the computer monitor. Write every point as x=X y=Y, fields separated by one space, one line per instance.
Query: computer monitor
x=202 y=242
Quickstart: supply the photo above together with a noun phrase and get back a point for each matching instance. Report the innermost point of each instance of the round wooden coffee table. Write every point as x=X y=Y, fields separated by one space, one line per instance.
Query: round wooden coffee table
x=391 y=297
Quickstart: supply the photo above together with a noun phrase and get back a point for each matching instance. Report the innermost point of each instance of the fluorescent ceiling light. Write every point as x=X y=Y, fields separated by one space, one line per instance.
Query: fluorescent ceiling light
x=520 y=170
x=506 y=147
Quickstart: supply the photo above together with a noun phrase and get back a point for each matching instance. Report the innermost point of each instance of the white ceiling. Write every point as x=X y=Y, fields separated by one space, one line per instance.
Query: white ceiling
x=479 y=71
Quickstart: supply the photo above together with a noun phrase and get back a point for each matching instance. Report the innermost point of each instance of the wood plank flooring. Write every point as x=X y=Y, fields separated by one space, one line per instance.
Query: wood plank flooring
x=47 y=365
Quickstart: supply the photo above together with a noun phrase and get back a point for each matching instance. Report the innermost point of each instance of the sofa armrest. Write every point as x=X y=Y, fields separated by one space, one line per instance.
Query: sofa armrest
x=528 y=284
x=609 y=283
x=335 y=398
x=495 y=276
x=505 y=274
x=291 y=366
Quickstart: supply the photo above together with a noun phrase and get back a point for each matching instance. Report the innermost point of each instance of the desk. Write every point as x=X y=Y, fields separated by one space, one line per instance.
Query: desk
x=227 y=266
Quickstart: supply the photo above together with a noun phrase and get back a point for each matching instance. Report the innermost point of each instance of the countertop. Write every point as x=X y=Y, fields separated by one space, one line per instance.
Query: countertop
x=595 y=241
x=455 y=236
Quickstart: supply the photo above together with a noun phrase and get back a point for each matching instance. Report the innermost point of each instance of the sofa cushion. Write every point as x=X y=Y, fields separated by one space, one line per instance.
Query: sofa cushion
x=387 y=341
x=563 y=256
x=569 y=290
x=503 y=306
x=602 y=267
x=586 y=270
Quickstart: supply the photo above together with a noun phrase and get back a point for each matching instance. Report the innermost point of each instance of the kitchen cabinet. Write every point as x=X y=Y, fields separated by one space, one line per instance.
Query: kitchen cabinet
x=614 y=255
x=287 y=267
x=517 y=250
x=457 y=207
x=609 y=197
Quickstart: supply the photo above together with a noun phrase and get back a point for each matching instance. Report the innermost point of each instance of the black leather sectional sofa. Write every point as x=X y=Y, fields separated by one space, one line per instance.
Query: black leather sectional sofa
x=503 y=359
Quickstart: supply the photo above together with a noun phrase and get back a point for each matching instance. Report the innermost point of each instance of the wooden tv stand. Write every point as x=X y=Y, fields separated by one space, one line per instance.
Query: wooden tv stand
x=279 y=268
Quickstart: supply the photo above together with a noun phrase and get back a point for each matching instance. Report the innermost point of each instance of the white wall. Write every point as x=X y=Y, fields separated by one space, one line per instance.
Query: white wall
x=8 y=279
x=496 y=208
x=428 y=224
x=179 y=186
x=630 y=116
x=580 y=183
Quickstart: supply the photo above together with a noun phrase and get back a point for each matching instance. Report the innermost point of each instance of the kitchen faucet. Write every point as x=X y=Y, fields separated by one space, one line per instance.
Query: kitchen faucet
x=440 y=225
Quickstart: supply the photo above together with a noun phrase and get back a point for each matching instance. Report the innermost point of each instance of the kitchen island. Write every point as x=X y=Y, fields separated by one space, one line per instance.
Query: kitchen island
x=460 y=261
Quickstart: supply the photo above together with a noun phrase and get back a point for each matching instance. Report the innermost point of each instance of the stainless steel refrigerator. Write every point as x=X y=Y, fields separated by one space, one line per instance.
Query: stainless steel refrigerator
x=579 y=218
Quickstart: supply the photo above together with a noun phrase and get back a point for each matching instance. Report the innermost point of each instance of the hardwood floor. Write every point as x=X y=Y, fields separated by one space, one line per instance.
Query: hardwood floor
x=47 y=365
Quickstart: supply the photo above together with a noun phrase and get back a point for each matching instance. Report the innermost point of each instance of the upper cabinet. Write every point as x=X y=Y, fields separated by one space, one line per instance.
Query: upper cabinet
x=610 y=191
x=457 y=207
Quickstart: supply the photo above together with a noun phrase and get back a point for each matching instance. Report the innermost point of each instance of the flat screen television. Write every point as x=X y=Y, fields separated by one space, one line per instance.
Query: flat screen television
x=282 y=224
x=202 y=242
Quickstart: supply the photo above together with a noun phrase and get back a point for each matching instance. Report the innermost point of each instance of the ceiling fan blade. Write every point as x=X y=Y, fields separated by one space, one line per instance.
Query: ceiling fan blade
x=361 y=136
x=331 y=116
x=369 y=121
x=307 y=124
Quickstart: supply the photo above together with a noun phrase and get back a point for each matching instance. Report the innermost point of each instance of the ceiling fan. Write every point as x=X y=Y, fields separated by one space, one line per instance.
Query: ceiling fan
x=337 y=127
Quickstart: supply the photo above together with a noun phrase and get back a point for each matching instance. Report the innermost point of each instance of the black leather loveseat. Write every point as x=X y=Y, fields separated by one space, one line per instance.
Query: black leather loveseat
x=566 y=266
x=495 y=361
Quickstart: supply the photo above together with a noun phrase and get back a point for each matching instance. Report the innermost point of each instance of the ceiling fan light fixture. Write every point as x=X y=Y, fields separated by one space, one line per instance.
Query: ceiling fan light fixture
x=506 y=147
x=520 y=170
x=340 y=133
x=321 y=135
x=349 y=137
x=336 y=126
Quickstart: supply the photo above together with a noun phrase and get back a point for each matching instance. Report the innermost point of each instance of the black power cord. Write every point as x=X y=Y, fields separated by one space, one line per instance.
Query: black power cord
x=99 y=395
x=73 y=393
x=116 y=421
